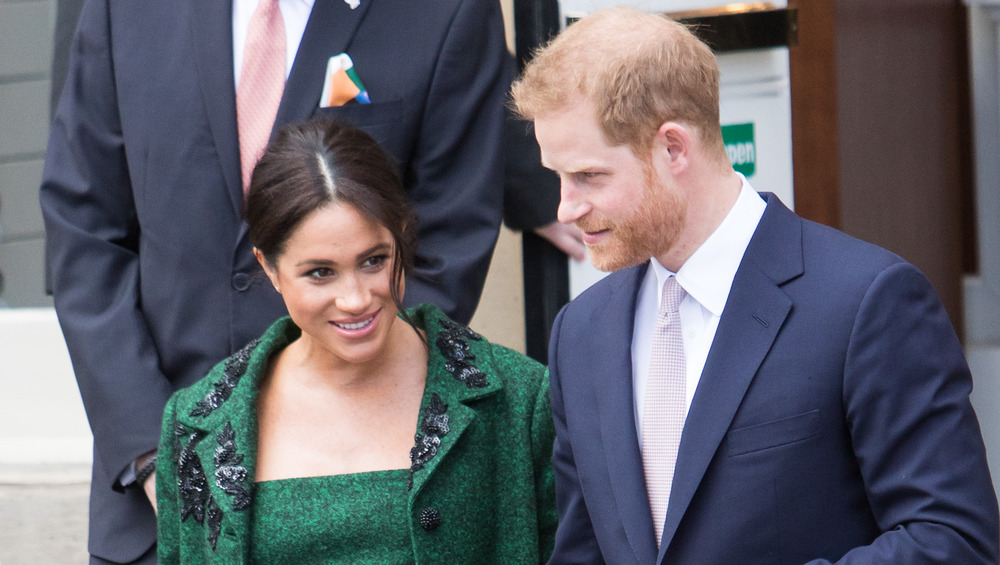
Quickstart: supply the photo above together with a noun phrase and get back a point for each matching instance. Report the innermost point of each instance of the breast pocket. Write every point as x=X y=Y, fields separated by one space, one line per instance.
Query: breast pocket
x=381 y=120
x=773 y=434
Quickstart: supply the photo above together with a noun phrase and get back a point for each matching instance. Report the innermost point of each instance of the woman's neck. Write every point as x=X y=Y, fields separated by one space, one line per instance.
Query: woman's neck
x=318 y=367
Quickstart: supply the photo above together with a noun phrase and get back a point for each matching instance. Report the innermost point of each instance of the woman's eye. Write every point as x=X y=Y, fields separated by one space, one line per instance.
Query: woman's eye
x=320 y=273
x=375 y=262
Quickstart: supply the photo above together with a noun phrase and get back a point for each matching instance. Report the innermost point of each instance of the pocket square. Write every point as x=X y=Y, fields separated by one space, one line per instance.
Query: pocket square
x=342 y=84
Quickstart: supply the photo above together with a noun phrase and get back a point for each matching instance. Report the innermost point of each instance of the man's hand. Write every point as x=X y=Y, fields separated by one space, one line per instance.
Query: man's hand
x=568 y=238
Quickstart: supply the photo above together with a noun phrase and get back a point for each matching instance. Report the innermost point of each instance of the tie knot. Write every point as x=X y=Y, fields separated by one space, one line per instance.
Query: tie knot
x=673 y=294
x=269 y=5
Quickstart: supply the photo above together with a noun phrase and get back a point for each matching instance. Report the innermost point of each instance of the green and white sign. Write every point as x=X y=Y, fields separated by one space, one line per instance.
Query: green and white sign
x=741 y=147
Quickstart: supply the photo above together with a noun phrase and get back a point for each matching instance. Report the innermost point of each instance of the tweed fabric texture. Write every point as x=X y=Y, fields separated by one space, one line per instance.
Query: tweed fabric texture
x=358 y=517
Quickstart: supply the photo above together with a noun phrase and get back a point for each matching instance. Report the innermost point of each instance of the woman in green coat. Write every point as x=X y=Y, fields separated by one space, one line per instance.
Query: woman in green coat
x=353 y=431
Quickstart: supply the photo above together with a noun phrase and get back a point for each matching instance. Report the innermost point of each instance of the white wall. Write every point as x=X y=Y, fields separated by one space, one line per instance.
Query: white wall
x=25 y=56
x=44 y=434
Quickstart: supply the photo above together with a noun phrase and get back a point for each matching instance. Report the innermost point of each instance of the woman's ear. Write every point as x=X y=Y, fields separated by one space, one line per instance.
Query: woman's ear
x=269 y=270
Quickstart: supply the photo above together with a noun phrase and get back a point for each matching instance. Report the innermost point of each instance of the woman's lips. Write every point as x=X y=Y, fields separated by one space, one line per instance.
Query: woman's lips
x=356 y=327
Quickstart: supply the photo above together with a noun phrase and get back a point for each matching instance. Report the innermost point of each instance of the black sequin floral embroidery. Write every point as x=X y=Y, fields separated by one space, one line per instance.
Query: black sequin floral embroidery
x=191 y=482
x=196 y=500
x=427 y=440
x=214 y=522
x=230 y=475
x=236 y=366
x=453 y=342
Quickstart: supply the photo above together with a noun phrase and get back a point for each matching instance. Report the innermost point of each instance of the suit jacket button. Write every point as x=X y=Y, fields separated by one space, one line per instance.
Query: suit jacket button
x=241 y=281
x=430 y=519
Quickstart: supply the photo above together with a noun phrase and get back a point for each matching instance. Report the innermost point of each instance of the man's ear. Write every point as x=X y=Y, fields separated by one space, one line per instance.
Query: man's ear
x=269 y=270
x=674 y=143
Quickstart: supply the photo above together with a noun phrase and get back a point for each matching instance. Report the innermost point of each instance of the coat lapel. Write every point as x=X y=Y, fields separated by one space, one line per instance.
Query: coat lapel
x=460 y=417
x=453 y=381
x=612 y=378
x=225 y=447
x=223 y=427
x=213 y=25
x=228 y=453
x=754 y=313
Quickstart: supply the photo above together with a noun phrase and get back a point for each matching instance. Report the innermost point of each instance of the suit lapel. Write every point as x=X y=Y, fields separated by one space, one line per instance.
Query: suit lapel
x=213 y=25
x=754 y=313
x=329 y=31
x=611 y=373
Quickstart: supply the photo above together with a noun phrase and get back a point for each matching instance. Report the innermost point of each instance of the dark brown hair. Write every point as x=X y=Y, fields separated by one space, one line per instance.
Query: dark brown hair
x=319 y=162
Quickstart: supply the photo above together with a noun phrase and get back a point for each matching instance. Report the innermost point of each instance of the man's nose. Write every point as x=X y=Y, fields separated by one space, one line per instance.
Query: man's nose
x=571 y=206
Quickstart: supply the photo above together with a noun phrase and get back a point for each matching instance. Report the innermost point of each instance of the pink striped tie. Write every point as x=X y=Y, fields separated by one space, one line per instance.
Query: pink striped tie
x=665 y=404
x=262 y=80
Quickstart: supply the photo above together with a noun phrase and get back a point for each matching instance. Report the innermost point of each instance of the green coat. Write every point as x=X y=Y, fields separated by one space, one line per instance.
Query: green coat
x=482 y=485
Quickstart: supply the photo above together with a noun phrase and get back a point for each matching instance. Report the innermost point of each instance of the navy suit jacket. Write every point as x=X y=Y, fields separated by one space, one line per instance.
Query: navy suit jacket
x=152 y=273
x=831 y=423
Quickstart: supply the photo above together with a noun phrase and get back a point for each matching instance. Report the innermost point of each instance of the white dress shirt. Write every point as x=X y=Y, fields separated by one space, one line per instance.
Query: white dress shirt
x=295 y=14
x=707 y=276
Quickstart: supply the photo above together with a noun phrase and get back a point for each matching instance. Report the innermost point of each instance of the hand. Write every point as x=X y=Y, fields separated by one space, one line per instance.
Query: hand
x=150 y=487
x=568 y=238
x=145 y=463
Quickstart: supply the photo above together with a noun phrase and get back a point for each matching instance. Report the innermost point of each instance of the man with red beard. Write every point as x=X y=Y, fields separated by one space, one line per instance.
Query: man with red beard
x=748 y=387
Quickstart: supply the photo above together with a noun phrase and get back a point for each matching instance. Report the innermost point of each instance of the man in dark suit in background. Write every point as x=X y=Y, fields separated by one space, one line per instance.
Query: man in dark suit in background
x=152 y=274
x=531 y=195
x=749 y=387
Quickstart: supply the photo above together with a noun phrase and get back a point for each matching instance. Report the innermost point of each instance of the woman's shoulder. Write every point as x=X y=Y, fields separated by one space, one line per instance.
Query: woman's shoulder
x=227 y=376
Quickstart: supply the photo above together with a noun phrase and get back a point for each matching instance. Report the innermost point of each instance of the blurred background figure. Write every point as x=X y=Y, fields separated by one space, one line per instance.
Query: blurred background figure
x=531 y=194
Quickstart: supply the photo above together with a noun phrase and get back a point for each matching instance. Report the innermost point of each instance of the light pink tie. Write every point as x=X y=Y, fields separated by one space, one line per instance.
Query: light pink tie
x=665 y=404
x=262 y=80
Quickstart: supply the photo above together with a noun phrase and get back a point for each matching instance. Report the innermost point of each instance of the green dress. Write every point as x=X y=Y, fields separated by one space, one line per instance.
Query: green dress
x=479 y=490
x=353 y=518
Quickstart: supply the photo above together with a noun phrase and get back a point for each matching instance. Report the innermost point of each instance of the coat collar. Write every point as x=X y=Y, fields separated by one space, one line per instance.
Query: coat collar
x=460 y=371
x=217 y=436
x=217 y=429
